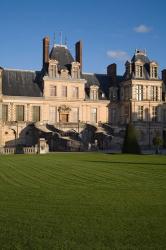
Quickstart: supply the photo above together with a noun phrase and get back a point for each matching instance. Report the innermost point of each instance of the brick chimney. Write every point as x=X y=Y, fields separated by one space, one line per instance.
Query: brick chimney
x=78 y=53
x=164 y=75
x=46 y=42
x=1 y=70
x=163 y=72
x=111 y=72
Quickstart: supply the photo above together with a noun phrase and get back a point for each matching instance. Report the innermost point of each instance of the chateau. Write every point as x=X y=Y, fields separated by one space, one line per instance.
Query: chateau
x=72 y=109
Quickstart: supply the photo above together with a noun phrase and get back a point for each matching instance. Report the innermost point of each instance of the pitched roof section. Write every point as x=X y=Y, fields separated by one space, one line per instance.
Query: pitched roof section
x=140 y=55
x=62 y=55
x=20 y=83
x=103 y=81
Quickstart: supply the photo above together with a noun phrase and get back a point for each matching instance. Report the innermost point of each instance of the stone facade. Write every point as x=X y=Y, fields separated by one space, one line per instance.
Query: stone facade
x=68 y=107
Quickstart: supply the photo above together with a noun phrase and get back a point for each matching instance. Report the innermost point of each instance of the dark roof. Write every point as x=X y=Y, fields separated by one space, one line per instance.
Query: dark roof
x=103 y=81
x=142 y=57
x=62 y=55
x=20 y=83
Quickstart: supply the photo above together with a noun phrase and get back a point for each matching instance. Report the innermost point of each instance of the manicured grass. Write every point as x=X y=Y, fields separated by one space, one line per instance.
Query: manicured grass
x=82 y=201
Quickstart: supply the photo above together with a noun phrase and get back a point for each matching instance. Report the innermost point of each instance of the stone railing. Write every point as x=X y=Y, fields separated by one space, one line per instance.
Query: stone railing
x=7 y=151
x=30 y=150
x=12 y=150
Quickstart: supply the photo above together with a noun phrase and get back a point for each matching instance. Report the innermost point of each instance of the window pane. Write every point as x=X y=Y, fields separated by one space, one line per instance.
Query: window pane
x=154 y=93
x=94 y=115
x=75 y=92
x=74 y=115
x=19 y=113
x=53 y=91
x=139 y=92
x=154 y=114
x=36 y=113
x=53 y=114
x=4 y=112
x=140 y=113
x=64 y=91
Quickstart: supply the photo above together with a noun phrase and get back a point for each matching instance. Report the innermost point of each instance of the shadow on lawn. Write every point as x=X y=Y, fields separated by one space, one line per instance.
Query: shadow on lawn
x=128 y=163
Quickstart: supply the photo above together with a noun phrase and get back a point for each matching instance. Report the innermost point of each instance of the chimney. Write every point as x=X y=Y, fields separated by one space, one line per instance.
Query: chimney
x=111 y=72
x=78 y=53
x=164 y=75
x=46 y=42
x=1 y=70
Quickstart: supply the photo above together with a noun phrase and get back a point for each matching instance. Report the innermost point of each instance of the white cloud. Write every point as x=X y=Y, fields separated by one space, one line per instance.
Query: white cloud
x=117 y=54
x=142 y=29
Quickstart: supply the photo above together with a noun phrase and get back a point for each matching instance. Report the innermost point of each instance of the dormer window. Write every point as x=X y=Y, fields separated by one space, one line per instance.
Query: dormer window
x=75 y=72
x=128 y=69
x=154 y=72
x=139 y=71
x=52 y=69
x=94 y=92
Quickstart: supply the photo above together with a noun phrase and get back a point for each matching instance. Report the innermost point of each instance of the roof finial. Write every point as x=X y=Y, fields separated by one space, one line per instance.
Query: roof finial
x=54 y=39
x=66 y=40
x=61 y=38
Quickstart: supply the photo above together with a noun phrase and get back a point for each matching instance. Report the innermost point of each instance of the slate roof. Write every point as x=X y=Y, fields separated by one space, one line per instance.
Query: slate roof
x=141 y=57
x=21 y=83
x=103 y=81
x=62 y=55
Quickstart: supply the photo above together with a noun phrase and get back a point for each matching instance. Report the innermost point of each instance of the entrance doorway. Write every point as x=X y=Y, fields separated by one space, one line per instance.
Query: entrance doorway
x=64 y=117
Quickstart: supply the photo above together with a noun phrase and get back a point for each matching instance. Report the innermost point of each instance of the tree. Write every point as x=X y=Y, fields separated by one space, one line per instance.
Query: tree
x=130 y=144
x=157 y=142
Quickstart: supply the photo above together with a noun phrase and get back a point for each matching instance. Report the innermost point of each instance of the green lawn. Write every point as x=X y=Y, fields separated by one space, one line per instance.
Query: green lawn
x=82 y=201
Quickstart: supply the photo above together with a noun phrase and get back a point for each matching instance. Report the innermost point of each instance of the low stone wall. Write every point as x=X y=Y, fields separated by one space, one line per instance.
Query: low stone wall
x=7 y=151
x=30 y=150
x=12 y=150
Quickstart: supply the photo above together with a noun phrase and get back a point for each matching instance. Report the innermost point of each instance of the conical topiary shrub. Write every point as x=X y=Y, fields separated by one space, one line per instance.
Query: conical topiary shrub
x=130 y=144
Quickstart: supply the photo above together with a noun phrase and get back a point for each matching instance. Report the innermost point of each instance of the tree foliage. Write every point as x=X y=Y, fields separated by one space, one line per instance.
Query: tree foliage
x=157 y=142
x=130 y=144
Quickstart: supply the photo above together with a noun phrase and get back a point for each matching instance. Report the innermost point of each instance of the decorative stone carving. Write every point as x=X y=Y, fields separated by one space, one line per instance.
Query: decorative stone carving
x=64 y=109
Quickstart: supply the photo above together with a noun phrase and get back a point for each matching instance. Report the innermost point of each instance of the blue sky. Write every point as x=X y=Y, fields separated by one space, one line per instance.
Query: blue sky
x=110 y=31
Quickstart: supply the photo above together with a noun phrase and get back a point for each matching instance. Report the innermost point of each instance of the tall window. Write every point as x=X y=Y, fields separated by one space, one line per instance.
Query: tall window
x=93 y=94
x=74 y=115
x=140 y=114
x=94 y=115
x=154 y=114
x=53 y=114
x=64 y=91
x=139 y=92
x=75 y=92
x=154 y=93
x=4 y=112
x=36 y=113
x=139 y=71
x=53 y=90
x=154 y=72
x=20 y=113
